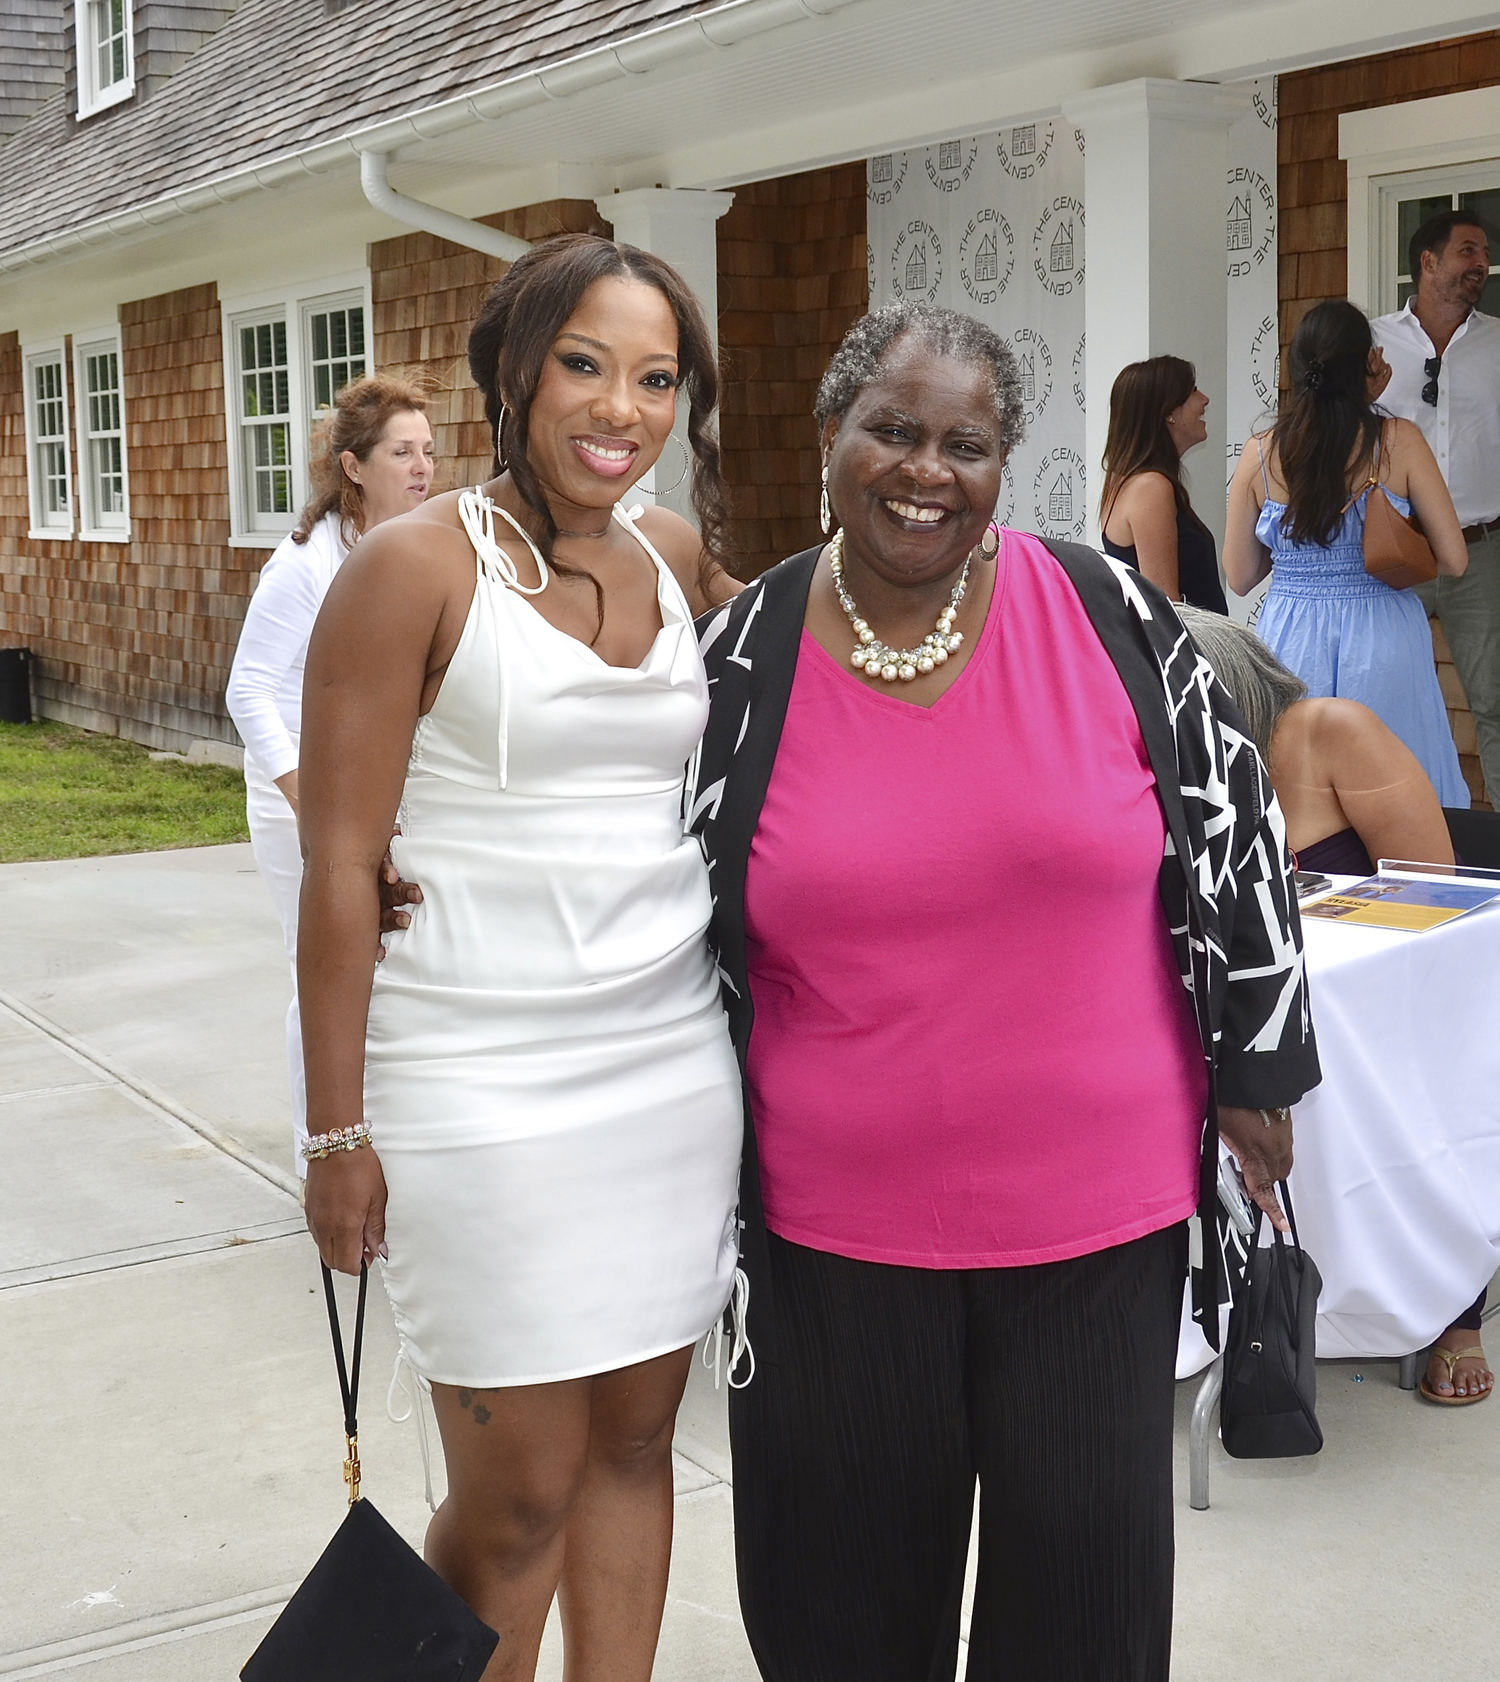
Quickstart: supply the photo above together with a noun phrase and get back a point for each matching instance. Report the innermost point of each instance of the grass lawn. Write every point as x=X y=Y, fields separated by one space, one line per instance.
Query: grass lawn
x=68 y=794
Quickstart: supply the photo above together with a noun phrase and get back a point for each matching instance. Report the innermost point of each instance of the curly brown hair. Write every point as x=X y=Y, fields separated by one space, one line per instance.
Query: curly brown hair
x=357 y=422
x=516 y=328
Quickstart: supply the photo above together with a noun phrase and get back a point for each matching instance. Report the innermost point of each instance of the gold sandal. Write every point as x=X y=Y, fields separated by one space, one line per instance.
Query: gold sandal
x=1450 y=1359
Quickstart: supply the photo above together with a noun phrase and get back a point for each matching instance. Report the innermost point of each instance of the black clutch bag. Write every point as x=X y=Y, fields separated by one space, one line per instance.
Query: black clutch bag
x=1268 y=1409
x=370 y=1609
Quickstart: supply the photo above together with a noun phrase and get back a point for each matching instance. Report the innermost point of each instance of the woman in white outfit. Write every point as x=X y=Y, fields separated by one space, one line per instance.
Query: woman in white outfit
x=552 y=1100
x=374 y=461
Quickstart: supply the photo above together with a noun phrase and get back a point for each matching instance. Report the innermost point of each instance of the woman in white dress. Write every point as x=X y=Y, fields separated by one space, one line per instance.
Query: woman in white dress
x=553 y=1103
x=374 y=461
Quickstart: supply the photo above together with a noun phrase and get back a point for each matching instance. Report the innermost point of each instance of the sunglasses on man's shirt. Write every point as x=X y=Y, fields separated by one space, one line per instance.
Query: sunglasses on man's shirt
x=1432 y=367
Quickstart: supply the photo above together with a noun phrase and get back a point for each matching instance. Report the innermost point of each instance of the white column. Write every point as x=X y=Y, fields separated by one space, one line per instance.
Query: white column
x=677 y=224
x=1156 y=162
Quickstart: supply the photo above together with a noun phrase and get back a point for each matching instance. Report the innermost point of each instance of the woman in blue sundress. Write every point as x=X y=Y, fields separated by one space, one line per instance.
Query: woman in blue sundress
x=1297 y=510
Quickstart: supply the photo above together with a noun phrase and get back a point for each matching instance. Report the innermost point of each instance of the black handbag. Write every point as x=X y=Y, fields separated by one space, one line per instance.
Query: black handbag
x=370 y=1609
x=1267 y=1410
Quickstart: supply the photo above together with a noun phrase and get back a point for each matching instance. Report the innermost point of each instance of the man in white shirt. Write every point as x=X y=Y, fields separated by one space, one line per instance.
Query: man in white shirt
x=1445 y=376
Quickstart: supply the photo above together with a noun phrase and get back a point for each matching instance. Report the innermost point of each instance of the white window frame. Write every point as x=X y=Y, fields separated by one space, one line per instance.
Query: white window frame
x=295 y=306
x=352 y=299
x=95 y=524
x=52 y=527
x=92 y=95
x=1390 y=190
x=1385 y=149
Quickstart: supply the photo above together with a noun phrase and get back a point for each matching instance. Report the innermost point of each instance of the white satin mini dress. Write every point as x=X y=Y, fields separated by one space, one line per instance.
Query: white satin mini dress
x=549 y=1078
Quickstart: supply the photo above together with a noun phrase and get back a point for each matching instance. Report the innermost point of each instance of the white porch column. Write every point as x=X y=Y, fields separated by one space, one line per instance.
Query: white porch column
x=1156 y=162
x=677 y=224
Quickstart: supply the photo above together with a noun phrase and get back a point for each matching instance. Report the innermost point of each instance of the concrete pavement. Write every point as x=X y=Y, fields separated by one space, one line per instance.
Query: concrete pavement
x=170 y=1463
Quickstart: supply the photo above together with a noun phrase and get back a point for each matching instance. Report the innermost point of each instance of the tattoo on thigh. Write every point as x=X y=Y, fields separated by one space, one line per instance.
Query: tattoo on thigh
x=471 y=1403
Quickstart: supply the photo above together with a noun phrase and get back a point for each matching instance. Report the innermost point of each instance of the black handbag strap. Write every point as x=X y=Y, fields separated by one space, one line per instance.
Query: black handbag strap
x=348 y=1376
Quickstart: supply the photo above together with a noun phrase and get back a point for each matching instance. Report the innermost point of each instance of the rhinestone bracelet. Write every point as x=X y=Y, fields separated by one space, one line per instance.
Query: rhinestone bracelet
x=340 y=1139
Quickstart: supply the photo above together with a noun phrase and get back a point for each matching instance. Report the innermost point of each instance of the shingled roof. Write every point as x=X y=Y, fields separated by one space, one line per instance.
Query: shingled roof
x=282 y=76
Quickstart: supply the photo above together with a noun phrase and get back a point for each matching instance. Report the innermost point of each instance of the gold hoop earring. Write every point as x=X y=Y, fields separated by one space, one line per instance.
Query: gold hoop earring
x=825 y=512
x=687 y=467
x=989 y=553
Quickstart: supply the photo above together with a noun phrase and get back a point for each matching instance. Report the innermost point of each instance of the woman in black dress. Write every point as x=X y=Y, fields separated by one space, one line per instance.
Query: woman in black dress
x=1155 y=417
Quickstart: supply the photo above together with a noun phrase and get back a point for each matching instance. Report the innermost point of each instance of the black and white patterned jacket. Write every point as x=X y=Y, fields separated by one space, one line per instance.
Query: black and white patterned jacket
x=1225 y=881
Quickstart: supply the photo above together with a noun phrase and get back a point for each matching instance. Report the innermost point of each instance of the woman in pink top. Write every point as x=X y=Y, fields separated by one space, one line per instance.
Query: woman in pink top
x=1003 y=913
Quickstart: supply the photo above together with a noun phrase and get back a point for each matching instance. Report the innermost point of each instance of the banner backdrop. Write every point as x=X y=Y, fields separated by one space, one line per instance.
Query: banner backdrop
x=1250 y=251
x=993 y=225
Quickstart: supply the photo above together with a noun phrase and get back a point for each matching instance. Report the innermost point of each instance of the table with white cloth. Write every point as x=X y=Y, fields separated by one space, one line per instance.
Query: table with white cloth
x=1397 y=1178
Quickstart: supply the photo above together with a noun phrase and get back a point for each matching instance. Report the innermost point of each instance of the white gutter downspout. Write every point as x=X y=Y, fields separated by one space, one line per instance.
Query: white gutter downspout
x=429 y=218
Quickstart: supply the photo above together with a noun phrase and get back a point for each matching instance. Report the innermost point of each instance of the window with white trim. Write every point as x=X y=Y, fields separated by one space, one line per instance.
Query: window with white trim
x=288 y=360
x=1413 y=199
x=50 y=481
x=101 y=439
x=264 y=388
x=106 y=53
x=335 y=339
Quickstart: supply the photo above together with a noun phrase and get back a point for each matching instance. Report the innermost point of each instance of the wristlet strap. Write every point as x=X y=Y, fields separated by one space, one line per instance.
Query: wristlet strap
x=348 y=1376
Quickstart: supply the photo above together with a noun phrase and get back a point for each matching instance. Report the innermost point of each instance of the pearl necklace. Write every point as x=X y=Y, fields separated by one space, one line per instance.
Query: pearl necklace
x=879 y=660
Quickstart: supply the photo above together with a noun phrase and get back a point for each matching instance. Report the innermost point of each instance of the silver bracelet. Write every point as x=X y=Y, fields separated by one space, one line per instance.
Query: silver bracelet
x=340 y=1139
x=1271 y=1117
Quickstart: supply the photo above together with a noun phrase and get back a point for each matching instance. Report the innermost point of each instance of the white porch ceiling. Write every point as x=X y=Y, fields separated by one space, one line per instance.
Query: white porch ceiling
x=885 y=74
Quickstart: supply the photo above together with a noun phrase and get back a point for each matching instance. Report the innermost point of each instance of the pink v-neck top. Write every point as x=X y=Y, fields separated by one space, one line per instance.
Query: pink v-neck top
x=972 y=1047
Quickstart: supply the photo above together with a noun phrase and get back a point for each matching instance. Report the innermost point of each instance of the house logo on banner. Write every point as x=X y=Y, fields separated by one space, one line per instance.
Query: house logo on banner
x=1023 y=151
x=884 y=177
x=950 y=163
x=986 y=256
x=1252 y=220
x=974 y=214
x=1034 y=359
x=917 y=263
x=1057 y=246
x=1060 y=497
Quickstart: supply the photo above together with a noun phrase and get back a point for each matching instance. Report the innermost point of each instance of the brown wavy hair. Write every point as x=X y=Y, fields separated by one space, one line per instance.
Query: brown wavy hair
x=1327 y=431
x=357 y=422
x=508 y=348
x=1143 y=395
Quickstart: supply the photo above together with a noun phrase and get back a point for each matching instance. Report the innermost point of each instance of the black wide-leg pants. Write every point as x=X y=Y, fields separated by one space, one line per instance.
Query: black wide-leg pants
x=893 y=1388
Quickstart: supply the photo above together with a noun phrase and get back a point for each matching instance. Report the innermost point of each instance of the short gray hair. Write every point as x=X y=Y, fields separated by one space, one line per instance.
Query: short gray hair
x=1260 y=686
x=862 y=357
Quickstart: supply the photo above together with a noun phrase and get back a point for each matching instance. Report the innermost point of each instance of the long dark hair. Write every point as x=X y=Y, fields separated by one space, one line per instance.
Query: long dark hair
x=357 y=422
x=1326 y=424
x=517 y=326
x=1143 y=395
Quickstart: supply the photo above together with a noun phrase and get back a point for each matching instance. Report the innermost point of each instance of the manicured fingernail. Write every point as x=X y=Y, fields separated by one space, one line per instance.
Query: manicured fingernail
x=385 y=1254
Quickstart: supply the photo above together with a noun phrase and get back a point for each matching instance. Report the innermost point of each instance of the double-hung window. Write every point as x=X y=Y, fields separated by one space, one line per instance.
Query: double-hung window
x=287 y=360
x=50 y=482
x=106 y=53
x=104 y=500
x=264 y=387
x=335 y=333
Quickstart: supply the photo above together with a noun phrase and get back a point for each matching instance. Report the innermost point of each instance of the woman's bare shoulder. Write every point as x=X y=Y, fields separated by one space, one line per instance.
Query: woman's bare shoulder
x=1148 y=488
x=1347 y=733
x=421 y=554
x=680 y=546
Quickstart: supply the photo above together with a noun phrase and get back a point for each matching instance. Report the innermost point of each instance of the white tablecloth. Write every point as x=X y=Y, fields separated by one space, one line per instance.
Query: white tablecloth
x=1396 y=1181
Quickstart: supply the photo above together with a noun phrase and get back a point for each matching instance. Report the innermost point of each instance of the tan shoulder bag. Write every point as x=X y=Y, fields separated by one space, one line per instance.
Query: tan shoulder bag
x=1395 y=550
